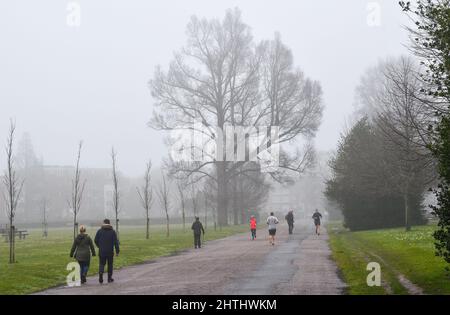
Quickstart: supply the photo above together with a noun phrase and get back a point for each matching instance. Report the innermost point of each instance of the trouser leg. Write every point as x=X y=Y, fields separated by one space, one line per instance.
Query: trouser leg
x=199 y=240
x=81 y=263
x=102 y=263
x=84 y=268
x=110 y=266
x=196 y=240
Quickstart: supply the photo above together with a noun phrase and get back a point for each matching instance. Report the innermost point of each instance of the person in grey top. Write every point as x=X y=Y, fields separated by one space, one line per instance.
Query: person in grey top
x=272 y=222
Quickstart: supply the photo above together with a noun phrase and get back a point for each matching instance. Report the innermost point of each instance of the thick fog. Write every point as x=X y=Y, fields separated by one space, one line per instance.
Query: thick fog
x=64 y=80
x=64 y=83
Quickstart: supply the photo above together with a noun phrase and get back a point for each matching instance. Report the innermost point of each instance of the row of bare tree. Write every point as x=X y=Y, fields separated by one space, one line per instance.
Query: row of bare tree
x=187 y=191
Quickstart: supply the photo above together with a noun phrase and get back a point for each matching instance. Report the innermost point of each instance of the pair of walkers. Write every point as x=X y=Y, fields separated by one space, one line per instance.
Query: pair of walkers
x=106 y=241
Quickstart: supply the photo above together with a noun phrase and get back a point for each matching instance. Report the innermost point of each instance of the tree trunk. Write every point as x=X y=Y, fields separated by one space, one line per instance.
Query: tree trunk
x=183 y=214
x=167 y=225
x=235 y=205
x=117 y=227
x=147 y=234
x=407 y=223
x=214 y=219
x=75 y=226
x=12 y=234
x=222 y=210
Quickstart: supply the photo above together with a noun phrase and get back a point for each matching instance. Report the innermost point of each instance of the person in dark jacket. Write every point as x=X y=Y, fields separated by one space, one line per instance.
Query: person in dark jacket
x=106 y=241
x=290 y=221
x=197 y=227
x=316 y=217
x=81 y=249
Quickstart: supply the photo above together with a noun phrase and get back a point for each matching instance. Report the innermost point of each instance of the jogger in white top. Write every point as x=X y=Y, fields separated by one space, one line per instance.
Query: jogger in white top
x=272 y=222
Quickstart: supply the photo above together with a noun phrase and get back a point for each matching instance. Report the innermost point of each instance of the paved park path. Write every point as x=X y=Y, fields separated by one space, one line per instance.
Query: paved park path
x=297 y=264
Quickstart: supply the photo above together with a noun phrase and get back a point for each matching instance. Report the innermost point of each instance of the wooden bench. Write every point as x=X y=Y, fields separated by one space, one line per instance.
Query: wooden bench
x=22 y=234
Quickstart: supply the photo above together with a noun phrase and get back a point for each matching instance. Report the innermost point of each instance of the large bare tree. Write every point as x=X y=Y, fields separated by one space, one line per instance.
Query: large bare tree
x=116 y=193
x=222 y=78
x=13 y=189
x=145 y=193
x=77 y=191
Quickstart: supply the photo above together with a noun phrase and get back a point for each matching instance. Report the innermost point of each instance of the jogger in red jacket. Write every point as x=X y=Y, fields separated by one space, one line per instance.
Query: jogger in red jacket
x=253 y=226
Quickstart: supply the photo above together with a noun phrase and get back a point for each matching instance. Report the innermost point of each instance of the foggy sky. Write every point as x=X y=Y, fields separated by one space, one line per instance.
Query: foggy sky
x=62 y=84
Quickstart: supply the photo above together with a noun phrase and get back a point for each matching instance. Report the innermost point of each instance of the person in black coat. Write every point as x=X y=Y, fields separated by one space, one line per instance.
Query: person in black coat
x=106 y=241
x=197 y=227
x=290 y=221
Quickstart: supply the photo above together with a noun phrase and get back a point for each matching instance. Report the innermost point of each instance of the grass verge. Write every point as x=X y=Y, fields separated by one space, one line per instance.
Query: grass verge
x=409 y=253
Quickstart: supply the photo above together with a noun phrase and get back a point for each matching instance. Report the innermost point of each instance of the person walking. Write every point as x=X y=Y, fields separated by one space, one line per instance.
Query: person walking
x=81 y=250
x=272 y=222
x=317 y=216
x=197 y=227
x=290 y=221
x=253 y=226
x=106 y=241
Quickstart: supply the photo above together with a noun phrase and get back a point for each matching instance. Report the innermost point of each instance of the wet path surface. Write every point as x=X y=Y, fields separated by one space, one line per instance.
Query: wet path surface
x=277 y=268
x=297 y=264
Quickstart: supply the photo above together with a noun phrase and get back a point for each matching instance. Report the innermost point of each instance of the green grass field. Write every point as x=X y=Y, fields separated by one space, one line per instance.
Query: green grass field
x=41 y=263
x=409 y=253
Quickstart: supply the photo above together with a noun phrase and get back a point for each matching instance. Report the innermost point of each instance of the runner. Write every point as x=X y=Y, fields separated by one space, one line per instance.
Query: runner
x=253 y=226
x=272 y=222
x=290 y=221
x=317 y=216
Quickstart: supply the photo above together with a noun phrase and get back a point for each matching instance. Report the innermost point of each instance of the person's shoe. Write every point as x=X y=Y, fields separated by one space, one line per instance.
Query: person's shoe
x=110 y=280
x=100 y=278
x=83 y=279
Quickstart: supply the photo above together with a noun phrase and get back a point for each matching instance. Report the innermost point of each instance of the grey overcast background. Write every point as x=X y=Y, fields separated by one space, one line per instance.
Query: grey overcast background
x=62 y=83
